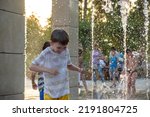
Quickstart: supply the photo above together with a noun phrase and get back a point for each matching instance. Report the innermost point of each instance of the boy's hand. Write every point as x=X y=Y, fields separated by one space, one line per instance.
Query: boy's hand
x=81 y=70
x=34 y=85
x=53 y=71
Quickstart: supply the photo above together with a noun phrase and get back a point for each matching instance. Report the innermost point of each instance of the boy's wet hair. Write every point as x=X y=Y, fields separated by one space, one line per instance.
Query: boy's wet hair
x=60 y=36
x=46 y=44
x=128 y=51
x=113 y=49
x=80 y=51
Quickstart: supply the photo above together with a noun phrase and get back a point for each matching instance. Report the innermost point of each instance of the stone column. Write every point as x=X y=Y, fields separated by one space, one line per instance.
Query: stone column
x=65 y=16
x=12 y=38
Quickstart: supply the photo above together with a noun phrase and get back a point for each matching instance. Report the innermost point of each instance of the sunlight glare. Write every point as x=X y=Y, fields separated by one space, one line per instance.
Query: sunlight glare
x=41 y=8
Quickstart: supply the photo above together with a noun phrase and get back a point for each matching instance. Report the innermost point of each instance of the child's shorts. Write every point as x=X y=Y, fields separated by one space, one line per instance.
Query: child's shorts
x=65 y=97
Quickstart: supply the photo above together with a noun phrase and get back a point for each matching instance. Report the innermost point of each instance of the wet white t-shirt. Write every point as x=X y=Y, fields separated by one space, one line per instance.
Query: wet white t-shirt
x=55 y=85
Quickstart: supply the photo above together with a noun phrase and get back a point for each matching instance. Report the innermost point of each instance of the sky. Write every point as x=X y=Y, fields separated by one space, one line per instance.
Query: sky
x=41 y=8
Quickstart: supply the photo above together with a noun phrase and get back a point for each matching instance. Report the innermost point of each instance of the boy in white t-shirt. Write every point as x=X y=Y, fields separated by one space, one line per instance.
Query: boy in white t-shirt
x=54 y=62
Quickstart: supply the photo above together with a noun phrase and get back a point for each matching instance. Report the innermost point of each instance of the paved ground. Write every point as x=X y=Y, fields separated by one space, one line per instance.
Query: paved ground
x=141 y=85
x=30 y=94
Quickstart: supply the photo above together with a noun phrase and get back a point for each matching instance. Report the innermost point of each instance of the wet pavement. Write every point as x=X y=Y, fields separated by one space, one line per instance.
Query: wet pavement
x=30 y=94
x=96 y=93
x=106 y=92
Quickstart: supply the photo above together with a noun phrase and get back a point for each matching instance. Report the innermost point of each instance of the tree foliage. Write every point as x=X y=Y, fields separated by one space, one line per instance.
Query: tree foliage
x=35 y=38
x=108 y=29
x=85 y=39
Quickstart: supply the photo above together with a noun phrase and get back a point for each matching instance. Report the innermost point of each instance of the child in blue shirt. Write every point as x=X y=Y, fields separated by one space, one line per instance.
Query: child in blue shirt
x=113 y=61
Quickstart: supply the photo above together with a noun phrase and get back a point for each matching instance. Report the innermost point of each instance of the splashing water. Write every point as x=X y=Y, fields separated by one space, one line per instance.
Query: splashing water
x=146 y=24
x=125 y=8
x=107 y=6
x=92 y=22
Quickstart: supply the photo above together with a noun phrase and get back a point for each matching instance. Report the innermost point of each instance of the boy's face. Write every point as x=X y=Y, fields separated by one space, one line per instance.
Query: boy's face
x=57 y=47
x=129 y=54
x=113 y=53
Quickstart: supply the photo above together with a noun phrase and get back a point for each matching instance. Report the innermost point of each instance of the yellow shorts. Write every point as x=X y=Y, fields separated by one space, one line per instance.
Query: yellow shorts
x=65 y=97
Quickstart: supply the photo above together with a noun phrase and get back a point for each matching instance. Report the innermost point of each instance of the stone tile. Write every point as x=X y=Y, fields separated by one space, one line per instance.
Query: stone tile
x=11 y=74
x=68 y=15
x=12 y=32
x=16 y=6
x=74 y=13
x=60 y=18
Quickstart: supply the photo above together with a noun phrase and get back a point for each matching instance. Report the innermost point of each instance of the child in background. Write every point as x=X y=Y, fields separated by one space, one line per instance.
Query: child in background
x=80 y=76
x=96 y=55
x=101 y=66
x=113 y=62
x=131 y=73
x=40 y=77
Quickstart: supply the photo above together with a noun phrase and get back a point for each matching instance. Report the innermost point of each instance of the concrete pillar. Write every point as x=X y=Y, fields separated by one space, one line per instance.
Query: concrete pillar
x=12 y=38
x=65 y=16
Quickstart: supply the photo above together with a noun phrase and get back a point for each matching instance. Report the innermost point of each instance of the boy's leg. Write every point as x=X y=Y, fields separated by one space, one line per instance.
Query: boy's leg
x=94 y=75
x=113 y=78
x=84 y=83
x=119 y=73
x=100 y=70
x=129 y=87
x=95 y=70
x=133 y=79
x=79 y=78
x=41 y=94
x=110 y=74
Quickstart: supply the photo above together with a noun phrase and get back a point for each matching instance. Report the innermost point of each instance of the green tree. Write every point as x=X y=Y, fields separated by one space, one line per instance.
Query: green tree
x=47 y=30
x=85 y=39
x=35 y=38
x=108 y=29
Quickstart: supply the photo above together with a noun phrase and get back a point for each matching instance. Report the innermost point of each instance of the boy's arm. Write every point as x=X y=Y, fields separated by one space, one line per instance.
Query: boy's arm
x=74 y=68
x=34 y=86
x=33 y=74
x=37 y=68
